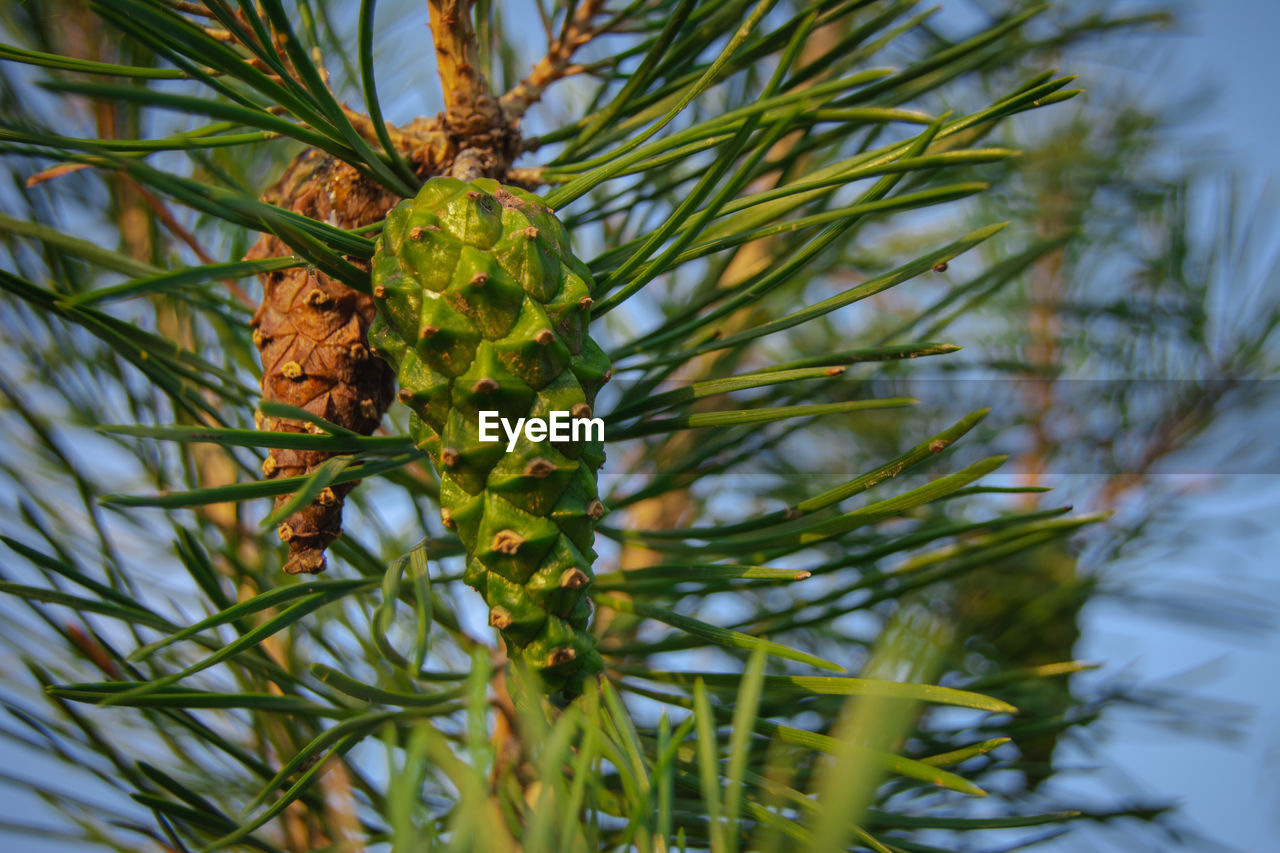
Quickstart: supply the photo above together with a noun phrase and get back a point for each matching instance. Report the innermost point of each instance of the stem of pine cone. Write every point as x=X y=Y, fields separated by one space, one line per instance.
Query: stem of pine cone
x=473 y=117
x=485 y=129
x=468 y=101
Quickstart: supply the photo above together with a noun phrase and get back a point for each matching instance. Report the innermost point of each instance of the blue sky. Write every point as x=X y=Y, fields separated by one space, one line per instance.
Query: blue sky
x=1230 y=791
x=1234 y=45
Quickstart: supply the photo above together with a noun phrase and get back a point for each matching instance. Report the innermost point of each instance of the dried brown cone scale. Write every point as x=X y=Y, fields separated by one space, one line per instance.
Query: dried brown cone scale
x=312 y=334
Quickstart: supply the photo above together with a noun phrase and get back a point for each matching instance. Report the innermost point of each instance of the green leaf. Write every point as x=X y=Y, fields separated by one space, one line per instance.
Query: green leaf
x=257 y=489
x=877 y=511
x=207 y=137
x=342 y=737
x=826 y=686
x=708 y=765
x=710 y=633
x=380 y=696
x=191 y=105
x=869 y=354
x=706 y=420
x=67 y=570
x=750 y=687
x=78 y=247
x=889 y=470
x=626 y=154
x=256 y=438
x=757 y=286
x=316 y=482
x=958 y=756
x=85 y=66
x=184 y=698
x=277 y=409
x=901 y=765
x=661 y=576
x=128 y=615
x=712 y=387
x=262 y=601
x=903 y=273
x=245 y=641
x=172 y=281
x=365 y=48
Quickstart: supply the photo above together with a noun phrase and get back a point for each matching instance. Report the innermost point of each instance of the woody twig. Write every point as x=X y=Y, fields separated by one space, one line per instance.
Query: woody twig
x=578 y=30
x=473 y=118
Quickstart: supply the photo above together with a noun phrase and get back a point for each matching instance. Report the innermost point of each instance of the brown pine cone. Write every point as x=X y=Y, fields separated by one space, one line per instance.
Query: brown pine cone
x=312 y=333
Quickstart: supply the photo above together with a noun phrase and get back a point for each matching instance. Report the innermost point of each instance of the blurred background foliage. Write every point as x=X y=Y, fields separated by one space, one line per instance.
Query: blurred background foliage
x=1121 y=314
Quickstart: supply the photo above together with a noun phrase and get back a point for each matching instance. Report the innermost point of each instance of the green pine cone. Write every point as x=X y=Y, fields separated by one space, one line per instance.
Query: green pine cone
x=483 y=307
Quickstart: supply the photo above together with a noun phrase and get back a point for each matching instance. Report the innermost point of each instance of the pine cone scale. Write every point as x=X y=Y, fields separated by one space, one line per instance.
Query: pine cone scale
x=312 y=335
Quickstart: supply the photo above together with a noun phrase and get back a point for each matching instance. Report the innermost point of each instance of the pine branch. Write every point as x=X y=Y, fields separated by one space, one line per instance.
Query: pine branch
x=486 y=141
x=579 y=29
x=743 y=175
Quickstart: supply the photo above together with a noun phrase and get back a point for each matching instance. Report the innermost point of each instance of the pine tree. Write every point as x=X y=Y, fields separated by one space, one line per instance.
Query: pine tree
x=690 y=196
